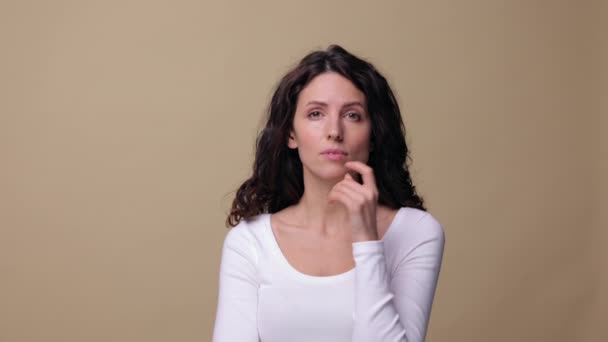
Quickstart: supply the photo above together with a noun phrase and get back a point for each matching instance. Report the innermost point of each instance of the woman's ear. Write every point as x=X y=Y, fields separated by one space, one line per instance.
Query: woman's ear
x=291 y=141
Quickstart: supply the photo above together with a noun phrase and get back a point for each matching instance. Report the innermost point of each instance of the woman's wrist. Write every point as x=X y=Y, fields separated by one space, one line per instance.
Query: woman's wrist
x=366 y=236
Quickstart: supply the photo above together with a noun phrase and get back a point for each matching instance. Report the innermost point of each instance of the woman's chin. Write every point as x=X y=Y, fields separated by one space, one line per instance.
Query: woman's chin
x=330 y=174
x=333 y=177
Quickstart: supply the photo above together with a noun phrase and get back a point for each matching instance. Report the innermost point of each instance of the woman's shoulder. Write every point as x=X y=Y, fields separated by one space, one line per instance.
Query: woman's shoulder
x=413 y=231
x=414 y=223
x=247 y=232
x=241 y=252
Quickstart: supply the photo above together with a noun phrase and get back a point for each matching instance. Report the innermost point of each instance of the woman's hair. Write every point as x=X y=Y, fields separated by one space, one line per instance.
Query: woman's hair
x=277 y=181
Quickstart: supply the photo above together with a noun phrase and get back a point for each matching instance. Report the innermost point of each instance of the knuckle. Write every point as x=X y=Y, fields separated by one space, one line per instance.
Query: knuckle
x=371 y=196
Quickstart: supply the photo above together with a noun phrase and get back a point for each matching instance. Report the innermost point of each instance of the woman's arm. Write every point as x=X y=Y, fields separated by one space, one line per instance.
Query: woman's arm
x=397 y=309
x=238 y=289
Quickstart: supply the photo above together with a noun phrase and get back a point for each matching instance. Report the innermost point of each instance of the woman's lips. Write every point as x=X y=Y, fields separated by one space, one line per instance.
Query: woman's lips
x=334 y=156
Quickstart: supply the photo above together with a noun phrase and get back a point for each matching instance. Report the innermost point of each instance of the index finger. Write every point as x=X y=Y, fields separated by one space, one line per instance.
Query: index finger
x=365 y=170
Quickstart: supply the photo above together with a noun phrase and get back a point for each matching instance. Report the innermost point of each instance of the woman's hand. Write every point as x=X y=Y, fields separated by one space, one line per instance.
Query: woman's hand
x=360 y=201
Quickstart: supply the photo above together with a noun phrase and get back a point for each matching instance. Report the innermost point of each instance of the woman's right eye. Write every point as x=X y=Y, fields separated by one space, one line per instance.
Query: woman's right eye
x=314 y=114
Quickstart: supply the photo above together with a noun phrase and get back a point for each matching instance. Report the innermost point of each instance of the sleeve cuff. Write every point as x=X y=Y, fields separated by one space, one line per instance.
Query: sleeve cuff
x=368 y=247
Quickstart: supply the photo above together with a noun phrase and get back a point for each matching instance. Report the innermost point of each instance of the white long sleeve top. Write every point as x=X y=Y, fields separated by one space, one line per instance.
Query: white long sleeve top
x=387 y=296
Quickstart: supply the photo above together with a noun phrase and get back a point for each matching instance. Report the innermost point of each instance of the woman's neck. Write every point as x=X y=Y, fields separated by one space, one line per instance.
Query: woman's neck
x=315 y=209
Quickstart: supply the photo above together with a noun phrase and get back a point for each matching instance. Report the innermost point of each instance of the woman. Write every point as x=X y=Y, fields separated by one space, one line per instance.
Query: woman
x=330 y=241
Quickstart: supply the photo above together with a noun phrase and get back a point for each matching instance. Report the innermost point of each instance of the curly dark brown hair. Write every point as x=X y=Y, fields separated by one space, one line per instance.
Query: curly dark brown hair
x=277 y=181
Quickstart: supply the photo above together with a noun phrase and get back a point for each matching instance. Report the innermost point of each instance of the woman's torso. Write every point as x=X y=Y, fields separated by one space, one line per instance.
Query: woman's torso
x=300 y=300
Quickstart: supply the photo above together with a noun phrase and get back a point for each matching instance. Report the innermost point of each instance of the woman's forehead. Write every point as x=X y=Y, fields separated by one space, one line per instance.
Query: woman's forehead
x=330 y=89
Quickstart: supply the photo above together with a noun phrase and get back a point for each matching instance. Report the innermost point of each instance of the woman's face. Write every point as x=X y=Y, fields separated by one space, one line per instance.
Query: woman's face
x=330 y=113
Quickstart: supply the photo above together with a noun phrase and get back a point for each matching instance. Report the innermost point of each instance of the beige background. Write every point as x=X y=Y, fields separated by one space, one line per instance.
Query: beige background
x=125 y=127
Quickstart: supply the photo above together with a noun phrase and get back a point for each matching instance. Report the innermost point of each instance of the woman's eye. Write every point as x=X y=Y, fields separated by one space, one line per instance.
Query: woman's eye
x=354 y=115
x=314 y=114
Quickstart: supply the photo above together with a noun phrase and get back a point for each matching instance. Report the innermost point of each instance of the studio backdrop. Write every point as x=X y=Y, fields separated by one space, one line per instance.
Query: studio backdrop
x=127 y=126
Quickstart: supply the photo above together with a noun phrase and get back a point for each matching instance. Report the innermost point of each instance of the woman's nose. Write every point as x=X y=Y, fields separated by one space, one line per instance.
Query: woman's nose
x=335 y=130
x=334 y=135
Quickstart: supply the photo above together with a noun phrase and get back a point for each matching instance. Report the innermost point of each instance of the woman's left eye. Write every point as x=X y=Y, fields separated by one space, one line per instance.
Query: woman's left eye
x=354 y=115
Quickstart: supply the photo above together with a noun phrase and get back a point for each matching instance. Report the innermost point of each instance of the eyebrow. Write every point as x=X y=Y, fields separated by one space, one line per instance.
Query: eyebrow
x=347 y=104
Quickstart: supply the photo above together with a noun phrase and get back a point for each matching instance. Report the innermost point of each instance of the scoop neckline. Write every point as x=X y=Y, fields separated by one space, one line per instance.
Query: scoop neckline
x=310 y=277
